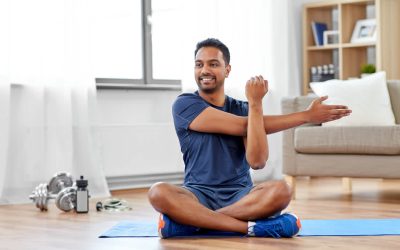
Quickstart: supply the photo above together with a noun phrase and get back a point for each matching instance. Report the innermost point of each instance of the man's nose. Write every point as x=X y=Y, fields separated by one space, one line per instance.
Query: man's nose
x=205 y=70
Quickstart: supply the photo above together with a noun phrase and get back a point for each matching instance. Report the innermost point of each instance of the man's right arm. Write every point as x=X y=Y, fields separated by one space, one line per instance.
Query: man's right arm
x=212 y=120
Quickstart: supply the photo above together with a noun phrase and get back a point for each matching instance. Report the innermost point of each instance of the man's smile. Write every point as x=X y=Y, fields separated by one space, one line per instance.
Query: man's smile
x=206 y=79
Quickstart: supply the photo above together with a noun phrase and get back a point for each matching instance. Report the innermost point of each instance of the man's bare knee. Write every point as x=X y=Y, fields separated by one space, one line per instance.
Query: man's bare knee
x=158 y=194
x=282 y=193
x=278 y=191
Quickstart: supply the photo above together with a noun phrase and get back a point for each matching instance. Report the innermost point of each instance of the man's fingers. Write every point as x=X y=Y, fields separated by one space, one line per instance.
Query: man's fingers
x=323 y=98
x=337 y=107
x=340 y=111
x=259 y=81
x=255 y=80
x=338 y=116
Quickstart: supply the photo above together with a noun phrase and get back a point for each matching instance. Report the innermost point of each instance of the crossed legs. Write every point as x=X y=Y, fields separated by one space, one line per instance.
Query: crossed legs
x=183 y=207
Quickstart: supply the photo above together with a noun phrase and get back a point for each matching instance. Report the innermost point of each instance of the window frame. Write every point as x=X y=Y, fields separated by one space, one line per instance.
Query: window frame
x=147 y=82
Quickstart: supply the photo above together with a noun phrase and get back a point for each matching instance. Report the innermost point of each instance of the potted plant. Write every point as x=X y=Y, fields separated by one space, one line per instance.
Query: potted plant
x=367 y=69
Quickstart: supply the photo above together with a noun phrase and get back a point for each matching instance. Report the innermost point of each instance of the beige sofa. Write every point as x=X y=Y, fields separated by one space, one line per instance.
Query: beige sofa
x=317 y=151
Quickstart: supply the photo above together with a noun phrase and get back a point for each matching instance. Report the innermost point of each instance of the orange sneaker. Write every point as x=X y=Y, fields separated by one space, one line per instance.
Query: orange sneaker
x=168 y=228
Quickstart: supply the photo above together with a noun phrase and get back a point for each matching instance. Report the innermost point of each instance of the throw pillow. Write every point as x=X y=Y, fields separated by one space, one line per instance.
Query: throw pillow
x=368 y=98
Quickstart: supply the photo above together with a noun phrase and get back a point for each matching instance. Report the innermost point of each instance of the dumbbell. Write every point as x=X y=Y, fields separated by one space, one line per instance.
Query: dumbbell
x=61 y=188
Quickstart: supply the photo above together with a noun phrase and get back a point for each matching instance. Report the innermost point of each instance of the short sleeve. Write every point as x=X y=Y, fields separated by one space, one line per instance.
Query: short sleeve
x=243 y=108
x=186 y=108
x=237 y=107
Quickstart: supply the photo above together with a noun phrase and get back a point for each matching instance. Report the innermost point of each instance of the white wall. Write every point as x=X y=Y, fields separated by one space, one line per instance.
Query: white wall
x=136 y=132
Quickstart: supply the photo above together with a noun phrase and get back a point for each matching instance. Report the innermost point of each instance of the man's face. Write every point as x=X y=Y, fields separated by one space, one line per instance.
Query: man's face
x=210 y=69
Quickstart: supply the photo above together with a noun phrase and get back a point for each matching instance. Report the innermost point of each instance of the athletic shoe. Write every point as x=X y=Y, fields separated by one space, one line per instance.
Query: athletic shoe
x=286 y=225
x=168 y=228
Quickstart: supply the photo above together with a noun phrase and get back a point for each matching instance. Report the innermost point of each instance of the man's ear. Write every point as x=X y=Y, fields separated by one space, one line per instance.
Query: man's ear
x=227 y=70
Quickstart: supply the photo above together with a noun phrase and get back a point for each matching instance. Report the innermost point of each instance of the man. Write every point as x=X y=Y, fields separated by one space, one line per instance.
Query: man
x=221 y=138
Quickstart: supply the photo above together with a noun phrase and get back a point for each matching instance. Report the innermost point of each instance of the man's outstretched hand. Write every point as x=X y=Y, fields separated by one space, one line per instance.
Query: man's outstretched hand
x=318 y=112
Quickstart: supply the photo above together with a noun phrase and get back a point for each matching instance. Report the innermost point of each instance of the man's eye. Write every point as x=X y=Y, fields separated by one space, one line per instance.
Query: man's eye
x=214 y=65
x=198 y=65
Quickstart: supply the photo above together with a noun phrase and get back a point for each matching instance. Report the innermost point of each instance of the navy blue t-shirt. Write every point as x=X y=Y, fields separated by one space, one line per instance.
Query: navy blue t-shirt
x=210 y=159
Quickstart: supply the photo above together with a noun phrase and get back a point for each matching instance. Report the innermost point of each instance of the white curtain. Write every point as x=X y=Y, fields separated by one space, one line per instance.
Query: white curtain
x=261 y=40
x=47 y=98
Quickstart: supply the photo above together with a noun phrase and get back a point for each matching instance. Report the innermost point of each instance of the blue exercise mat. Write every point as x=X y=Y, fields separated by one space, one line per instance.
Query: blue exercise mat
x=149 y=229
x=349 y=227
x=132 y=229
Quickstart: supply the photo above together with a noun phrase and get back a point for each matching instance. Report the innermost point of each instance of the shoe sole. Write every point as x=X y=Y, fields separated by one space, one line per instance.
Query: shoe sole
x=298 y=223
x=161 y=225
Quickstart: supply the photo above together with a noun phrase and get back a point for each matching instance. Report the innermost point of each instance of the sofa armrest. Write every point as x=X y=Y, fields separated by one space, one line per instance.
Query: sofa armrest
x=291 y=105
x=394 y=92
x=296 y=104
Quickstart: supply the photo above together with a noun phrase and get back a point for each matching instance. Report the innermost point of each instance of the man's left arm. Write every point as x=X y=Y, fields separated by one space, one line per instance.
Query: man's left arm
x=256 y=142
x=316 y=113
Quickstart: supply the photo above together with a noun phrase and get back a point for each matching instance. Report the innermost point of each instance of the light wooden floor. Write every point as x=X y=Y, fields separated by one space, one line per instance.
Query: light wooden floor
x=25 y=227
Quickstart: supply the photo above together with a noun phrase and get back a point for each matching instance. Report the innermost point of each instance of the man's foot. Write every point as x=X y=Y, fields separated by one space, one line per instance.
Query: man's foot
x=168 y=228
x=286 y=225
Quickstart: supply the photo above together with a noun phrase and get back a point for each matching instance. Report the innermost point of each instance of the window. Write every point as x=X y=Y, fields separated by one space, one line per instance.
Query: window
x=166 y=16
x=132 y=45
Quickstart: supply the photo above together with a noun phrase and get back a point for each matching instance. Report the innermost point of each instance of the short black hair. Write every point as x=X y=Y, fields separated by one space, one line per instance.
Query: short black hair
x=213 y=42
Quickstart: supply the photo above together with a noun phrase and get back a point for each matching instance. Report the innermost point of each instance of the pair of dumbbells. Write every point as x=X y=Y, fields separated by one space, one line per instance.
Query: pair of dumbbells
x=61 y=188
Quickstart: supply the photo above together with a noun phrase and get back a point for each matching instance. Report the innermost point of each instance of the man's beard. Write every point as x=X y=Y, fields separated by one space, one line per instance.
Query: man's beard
x=208 y=91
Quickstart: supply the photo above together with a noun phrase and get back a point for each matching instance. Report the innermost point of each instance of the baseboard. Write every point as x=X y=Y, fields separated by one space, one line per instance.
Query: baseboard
x=142 y=181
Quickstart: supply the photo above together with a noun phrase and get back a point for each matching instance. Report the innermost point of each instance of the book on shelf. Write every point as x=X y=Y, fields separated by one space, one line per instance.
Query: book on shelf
x=318 y=32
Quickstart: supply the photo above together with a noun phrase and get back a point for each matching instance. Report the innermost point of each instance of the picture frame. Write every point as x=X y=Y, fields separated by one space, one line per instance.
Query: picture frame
x=364 y=31
x=331 y=37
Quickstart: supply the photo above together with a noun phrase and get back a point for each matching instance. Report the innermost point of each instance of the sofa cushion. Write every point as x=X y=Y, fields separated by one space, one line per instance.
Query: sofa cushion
x=378 y=140
x=368 y=98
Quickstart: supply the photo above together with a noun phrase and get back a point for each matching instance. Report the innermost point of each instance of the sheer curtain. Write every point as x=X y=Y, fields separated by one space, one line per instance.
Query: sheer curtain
x=47 y=98
x=261 y=41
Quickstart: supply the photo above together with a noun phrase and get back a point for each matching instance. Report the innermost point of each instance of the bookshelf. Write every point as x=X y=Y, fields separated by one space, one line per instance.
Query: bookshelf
x=347 y=57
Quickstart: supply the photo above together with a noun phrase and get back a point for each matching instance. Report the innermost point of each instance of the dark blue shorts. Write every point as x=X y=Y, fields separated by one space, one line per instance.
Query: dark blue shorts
x=218 y=197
